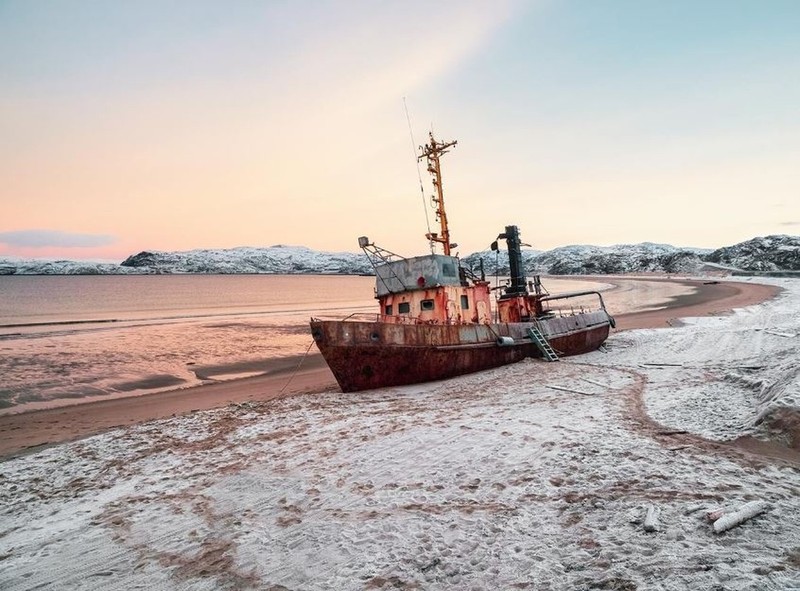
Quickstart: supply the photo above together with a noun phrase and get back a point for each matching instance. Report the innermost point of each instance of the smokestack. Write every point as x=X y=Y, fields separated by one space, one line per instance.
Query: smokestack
x=518 y=280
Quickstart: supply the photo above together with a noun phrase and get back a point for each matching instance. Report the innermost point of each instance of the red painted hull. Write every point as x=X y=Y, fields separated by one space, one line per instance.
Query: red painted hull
x=366 y=355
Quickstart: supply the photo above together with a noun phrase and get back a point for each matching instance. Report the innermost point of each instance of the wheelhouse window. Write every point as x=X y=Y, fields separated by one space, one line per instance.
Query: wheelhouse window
x=388 y=310
x=464 y=302
x=448 y=270
x=426 y=305
x=403 y=308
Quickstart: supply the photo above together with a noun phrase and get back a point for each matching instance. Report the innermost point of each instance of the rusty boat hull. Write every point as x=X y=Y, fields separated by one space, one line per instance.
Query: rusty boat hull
x=364 y=355
x=435 y=316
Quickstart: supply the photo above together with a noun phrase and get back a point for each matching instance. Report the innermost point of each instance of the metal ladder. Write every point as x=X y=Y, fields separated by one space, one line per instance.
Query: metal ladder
x=541 y=343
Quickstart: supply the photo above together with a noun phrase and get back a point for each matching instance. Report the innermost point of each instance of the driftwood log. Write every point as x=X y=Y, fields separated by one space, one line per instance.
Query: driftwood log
x=745 y=512
x=714 y=513
x=570 y=390
x=651 y=519
x=781 y=334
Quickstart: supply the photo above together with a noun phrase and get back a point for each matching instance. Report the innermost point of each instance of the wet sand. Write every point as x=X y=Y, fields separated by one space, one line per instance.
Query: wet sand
x=25 y=432
x=711 y=299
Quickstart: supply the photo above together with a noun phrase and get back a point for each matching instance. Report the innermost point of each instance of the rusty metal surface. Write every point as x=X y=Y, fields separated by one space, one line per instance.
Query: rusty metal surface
x=366 y=355
x=447 y=308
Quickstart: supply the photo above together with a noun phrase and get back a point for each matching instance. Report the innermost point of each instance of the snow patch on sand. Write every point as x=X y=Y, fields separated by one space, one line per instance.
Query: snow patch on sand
x=721 y=377
x=494 y=480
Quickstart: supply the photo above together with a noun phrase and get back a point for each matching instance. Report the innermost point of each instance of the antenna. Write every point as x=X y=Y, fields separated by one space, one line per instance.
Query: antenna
x=433 y=152
x=419 y=175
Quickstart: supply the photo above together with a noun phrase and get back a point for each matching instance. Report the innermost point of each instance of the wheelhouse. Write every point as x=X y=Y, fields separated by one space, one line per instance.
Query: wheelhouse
x=430 y=289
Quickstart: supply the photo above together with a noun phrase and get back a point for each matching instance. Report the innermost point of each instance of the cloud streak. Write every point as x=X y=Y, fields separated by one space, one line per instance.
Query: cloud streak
x=49 y=238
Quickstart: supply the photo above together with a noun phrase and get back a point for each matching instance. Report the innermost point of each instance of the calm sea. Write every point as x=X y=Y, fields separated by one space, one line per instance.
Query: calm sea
x=64 y=338
x=70 y=337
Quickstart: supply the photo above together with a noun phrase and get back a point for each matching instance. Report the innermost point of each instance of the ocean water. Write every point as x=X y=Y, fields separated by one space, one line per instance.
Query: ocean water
x=70 y=338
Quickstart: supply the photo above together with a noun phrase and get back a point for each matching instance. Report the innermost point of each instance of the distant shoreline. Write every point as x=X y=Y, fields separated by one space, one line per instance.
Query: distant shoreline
x=29 y=431
x=179 y=274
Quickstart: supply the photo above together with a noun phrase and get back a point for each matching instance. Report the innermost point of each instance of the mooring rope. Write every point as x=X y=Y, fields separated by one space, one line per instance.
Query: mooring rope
x=296 y=369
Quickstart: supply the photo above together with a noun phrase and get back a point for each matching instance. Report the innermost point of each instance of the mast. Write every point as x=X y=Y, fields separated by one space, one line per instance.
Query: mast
x=433 y=151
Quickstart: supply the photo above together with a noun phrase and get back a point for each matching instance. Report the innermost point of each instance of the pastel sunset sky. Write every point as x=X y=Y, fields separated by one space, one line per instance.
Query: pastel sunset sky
x=152 y=125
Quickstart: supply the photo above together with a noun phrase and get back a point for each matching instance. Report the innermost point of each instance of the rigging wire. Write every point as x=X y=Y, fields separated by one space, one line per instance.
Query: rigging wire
x=419 y=175
x=296 y=369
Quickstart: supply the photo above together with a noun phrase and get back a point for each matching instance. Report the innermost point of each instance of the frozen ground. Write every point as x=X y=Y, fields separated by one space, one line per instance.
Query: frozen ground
x=534 y=476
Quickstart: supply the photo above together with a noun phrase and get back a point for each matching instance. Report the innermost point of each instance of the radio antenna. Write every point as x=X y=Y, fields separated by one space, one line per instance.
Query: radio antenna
x=419 y=175
x=433 y=152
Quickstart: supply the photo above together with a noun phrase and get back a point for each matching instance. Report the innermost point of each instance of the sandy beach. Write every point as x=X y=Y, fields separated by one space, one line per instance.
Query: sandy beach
x=612 y=470
x=32 y=430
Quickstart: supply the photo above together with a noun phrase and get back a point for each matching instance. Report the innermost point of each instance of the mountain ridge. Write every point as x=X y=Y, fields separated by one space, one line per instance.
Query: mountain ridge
x=774 y=253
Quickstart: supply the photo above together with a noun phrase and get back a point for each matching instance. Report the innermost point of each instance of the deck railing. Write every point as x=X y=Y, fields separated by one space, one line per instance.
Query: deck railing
x=570 y=310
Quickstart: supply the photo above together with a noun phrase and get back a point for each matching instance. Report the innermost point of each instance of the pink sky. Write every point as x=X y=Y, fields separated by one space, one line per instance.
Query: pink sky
x=135 y=129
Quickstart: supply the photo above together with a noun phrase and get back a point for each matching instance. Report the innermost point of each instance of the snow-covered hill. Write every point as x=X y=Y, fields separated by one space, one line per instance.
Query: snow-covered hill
x=274 y=259
x=770 y=253
x=586 y=260
x=17 y=266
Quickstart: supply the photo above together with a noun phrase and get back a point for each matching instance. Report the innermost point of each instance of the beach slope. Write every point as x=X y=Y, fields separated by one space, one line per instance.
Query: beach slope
x=31 y=430
x=596 y=472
